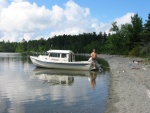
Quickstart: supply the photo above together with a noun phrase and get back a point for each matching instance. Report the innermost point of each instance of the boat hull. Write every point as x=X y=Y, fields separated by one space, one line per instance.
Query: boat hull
x=81 y=65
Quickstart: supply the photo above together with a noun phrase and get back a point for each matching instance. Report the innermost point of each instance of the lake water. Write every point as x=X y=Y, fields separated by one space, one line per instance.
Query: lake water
x=27 y=89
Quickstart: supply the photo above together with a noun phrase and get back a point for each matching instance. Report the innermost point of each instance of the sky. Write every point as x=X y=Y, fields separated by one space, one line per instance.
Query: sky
x=36 y=19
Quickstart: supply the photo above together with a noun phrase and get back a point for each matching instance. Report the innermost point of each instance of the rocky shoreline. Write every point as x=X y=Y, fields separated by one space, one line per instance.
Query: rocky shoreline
x=129 y=86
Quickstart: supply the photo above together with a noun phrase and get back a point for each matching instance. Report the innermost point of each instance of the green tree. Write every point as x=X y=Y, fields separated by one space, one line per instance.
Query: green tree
x=137 y=28
x=145 y=34
x=145 y=37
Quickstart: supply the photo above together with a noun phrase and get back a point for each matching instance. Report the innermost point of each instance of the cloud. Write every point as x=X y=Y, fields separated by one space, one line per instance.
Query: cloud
x=3 y=3
x=124 y=19
x=20 y=19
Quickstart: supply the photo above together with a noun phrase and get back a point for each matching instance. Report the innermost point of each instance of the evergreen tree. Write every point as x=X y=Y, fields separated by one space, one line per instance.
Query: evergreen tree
x=136 y=29
x=146 y=31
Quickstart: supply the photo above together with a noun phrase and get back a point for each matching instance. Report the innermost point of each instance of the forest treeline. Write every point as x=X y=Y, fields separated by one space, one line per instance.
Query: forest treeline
x=128 y=39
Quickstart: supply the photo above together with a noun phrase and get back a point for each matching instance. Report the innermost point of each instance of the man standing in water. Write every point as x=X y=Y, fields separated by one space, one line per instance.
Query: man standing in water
x=94 y=56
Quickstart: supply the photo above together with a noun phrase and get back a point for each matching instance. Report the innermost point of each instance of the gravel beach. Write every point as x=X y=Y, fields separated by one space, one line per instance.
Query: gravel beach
x=129 y=86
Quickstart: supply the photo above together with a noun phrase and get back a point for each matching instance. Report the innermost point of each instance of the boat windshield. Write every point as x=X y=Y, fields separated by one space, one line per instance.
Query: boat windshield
x=63 y=55
x=70 y=56
x=54 y=55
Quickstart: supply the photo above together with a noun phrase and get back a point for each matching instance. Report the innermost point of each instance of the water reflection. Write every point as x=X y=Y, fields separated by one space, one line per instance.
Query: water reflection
x=62 y=77
x=93 y=76
x=26 y=89
x=53 y=77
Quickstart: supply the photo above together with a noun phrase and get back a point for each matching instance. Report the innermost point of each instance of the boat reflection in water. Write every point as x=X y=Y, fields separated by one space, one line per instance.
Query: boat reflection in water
x=58 y=77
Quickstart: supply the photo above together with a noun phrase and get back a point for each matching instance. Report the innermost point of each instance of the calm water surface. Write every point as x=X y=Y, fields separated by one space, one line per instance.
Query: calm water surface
x=27 y=89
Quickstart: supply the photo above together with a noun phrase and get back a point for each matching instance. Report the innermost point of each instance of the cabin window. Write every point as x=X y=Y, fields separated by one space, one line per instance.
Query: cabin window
x=63 y=55
x=54 y=55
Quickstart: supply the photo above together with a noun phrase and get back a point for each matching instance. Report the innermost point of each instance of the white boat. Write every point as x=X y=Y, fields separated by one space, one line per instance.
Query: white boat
x=60 y=59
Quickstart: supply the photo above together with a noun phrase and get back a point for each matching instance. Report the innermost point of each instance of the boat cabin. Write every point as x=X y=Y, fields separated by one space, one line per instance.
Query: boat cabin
x=61 y=55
